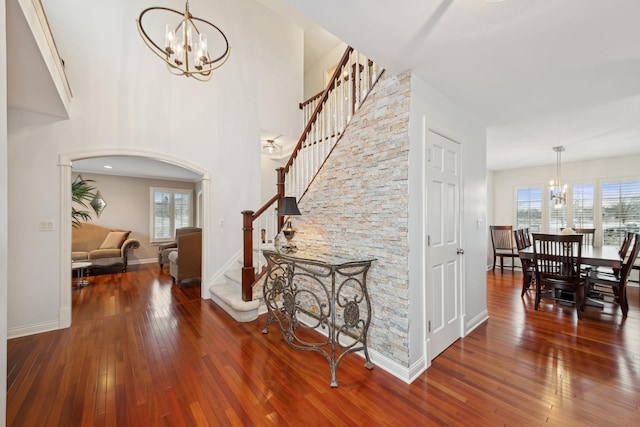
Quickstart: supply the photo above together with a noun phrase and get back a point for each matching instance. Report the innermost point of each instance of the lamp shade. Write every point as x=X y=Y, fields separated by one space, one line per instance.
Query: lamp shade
x=288 y=206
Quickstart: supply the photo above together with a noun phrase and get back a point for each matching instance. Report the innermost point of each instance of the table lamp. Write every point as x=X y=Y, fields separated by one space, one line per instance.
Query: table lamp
x=288 y=207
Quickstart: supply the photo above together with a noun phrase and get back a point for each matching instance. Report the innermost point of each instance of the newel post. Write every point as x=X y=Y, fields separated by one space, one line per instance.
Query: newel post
x=280 y=188
x=248 y=272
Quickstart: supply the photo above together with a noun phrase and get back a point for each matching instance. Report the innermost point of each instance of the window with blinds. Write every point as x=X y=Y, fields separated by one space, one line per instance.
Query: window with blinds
x=620 y=210
x=529 y=208
x=171 y=208
x=557 y=217
x=583 y=203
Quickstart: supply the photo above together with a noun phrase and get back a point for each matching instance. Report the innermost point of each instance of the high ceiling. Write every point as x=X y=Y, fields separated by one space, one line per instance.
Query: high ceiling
x=537 y=73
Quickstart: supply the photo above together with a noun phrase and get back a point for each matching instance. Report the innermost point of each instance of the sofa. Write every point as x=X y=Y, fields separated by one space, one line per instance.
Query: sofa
x=105 y=248
x=185 y=264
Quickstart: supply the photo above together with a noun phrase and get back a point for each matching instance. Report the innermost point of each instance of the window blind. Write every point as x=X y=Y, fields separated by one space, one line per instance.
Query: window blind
x=529 y=208
x=620 y=210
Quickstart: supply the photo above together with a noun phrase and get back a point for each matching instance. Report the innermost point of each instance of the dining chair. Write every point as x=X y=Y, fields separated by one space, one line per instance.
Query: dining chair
x=608 y=287
x=557 y=259
x=636 y=266
x=626 y=243
x=588 y=233
x=623 y=252
x=522 y=242
x=527 y=236
x=624 y=248
x=502 y=242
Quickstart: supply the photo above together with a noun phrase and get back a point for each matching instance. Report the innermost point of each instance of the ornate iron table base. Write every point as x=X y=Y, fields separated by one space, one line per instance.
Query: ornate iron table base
x=308 y=294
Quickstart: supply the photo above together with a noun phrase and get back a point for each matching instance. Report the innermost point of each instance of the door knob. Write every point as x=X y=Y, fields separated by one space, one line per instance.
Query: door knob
x=460 y=251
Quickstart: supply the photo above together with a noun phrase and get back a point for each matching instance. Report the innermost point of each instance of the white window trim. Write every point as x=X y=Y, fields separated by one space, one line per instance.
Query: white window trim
x=544 y=188
x=152 y=191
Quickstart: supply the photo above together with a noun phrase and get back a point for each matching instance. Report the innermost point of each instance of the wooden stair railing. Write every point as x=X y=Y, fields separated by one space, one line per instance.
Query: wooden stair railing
x=329 y=113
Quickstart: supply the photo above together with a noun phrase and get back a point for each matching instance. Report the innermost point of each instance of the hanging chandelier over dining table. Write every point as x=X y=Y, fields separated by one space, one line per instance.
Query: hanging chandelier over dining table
x=558 y=191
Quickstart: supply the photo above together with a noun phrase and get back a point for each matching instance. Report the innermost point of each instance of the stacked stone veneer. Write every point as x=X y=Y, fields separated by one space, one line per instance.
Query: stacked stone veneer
x=358 y=206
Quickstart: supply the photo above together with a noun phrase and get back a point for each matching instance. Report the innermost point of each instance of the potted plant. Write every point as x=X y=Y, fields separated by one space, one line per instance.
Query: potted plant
x=81 y=194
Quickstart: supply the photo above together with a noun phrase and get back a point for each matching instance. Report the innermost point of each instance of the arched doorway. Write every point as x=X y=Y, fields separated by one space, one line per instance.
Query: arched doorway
x=65 y=165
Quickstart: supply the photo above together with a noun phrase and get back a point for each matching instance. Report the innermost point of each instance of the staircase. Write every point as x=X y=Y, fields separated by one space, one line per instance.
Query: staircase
x=227 y=294
x=327 y=115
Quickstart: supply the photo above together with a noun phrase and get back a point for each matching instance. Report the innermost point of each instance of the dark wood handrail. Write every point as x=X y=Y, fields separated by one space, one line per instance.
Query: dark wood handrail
x=248 y=271
x=318 y=109
x=310 y=100
x=266 y=206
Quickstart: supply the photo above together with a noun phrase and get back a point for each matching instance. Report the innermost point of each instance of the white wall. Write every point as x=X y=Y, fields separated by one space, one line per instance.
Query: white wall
x=445 y=118
x=128 y=201
x=270 y=177
x=124 y=98
x=3 y=216
x=314 y=74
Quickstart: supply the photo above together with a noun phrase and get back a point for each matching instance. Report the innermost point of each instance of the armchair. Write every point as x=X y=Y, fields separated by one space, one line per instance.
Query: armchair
x=165 y=249
x=185 y=263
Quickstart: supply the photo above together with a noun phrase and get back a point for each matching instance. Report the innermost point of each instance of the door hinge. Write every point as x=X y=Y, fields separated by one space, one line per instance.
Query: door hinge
x=429 y=325
x=429 y=155
x=428 y=240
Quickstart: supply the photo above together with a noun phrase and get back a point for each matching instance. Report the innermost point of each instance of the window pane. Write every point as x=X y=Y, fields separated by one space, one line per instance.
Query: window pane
x=557 y=217
x=529 y=209
x=171 y=209
x=162 y=215
x=620 y=210
x=182 y=210
x=583 y=216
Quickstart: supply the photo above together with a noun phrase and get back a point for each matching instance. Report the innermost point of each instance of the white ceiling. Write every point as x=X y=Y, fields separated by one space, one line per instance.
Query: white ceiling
x=137 y=167
x=537 y=73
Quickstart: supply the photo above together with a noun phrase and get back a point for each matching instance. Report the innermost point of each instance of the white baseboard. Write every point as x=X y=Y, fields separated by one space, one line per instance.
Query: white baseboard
x=478 y=320
x=406 y=374
x=142 y=261
x=37 y=328
x=231 y=264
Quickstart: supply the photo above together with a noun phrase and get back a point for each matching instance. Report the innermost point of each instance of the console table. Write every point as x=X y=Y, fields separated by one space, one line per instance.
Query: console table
x=320 y=303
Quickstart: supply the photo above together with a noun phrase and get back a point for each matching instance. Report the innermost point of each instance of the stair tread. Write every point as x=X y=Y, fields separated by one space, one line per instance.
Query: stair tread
x=231 y=296
x=235 y=275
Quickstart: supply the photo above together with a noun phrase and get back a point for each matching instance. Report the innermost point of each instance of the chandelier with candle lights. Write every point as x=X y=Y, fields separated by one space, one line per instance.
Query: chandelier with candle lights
x=192 y=47
x=558 y=191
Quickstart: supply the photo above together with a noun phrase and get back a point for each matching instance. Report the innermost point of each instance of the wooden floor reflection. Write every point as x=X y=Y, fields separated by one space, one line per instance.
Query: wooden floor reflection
x=143 y=352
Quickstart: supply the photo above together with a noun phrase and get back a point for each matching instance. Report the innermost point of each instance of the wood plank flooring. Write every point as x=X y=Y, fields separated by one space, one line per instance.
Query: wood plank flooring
x=142 y=352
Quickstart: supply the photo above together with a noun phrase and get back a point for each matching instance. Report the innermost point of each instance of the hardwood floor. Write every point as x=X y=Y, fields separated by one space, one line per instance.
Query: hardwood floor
x=142 y=352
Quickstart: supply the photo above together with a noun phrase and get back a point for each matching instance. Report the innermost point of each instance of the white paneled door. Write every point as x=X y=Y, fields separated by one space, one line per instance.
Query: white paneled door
x=444 y=252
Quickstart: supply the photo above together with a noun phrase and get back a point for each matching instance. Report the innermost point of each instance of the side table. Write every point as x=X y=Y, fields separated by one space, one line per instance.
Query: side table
x=81 y=266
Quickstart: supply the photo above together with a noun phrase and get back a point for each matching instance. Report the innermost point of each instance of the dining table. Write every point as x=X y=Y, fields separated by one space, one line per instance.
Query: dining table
x=596 y=256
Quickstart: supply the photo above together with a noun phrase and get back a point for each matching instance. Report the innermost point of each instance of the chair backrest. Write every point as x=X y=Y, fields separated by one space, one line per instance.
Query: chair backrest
x=557 y=256
x=588 y=234
x=520 y=236
x=501 y=237
x=626 y=243
x=527 y=236
x=187 y=230
x=628 y=265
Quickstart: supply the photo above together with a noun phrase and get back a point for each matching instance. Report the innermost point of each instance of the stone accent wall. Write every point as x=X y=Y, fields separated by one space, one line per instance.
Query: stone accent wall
x=358 y=206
